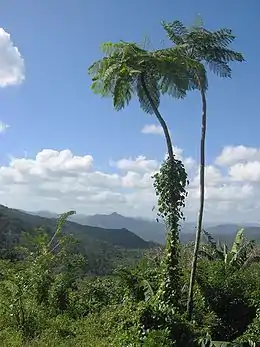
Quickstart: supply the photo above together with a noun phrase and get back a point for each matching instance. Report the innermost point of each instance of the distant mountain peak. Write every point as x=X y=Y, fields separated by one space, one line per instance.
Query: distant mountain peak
x=115 y=214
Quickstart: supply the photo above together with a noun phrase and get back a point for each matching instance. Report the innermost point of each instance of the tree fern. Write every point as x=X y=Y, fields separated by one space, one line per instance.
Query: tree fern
x=210 y=48
x=119 y=73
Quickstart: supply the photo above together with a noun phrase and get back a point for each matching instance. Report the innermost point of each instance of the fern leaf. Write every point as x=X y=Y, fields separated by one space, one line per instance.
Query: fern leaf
x=176 y=31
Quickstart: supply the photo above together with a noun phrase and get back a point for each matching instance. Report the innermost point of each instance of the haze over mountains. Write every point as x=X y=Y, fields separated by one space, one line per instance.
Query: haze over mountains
x=106 y=240
x=150 y=230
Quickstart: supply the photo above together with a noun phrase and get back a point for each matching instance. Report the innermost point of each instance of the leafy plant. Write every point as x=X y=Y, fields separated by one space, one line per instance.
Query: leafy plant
x=241 y=254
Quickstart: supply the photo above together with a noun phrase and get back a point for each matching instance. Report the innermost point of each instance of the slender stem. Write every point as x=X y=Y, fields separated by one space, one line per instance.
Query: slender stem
x=160 y=119
x=170 y=286
x=201 y=209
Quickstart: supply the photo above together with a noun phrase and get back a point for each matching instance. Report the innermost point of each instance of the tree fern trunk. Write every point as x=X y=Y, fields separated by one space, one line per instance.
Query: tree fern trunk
x=201 y=209
x=160 y=119
x=175 y=181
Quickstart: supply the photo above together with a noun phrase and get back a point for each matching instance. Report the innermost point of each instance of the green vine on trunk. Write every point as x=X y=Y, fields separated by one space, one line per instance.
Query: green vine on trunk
x=170 y=187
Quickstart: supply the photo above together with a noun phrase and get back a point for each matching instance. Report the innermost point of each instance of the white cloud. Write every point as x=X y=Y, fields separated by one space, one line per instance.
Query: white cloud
x=245 y=172
x=228 y=192
x=3 y=127
x=152 y=129
x=60 y=180
x=139 y=164
x=233 y=154
x=11 y=61
x=213 y=176
x=50 y=163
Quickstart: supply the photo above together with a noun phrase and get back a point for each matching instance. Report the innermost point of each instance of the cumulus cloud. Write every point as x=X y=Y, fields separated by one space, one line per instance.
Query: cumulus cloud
x=3 y=127
x=11 y=61
x=233 y=154
x=213 y=176
x=139 y=164
x=249 y=171
x=152 y=129
x=49 y=163
x=61 y=180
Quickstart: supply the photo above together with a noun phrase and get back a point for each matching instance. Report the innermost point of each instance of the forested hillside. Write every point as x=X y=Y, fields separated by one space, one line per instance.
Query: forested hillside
x=104 y=248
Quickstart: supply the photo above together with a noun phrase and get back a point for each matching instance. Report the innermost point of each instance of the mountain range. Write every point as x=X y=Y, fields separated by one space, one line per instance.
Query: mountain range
x=104 y=248
x=150 y=230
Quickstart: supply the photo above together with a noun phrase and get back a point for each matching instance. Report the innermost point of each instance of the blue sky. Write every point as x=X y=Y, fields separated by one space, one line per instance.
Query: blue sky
x=55 y=108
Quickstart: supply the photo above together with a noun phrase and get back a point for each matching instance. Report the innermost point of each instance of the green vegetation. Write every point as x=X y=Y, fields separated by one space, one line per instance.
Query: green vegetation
x=74 y=285
x=48 y=296
x=104 y=249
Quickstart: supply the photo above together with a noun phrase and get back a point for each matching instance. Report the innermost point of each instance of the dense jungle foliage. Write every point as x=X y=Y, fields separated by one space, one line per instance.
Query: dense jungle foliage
x=47 y=297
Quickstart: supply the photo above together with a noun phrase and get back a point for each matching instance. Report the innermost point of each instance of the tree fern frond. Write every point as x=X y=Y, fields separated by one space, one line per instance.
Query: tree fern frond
x=170 y=71
x=220 y=68
x=153 y=88
x=110 y=72
x=221 y=54
x=98 y=72
x=223 y=37
x=122 y=93
x=174 y=79
x=167 y=87
x=179 y=71
x=96 y=67
x=98 y=88
x=110 y=48
x=176 y=31
x=109 y=77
